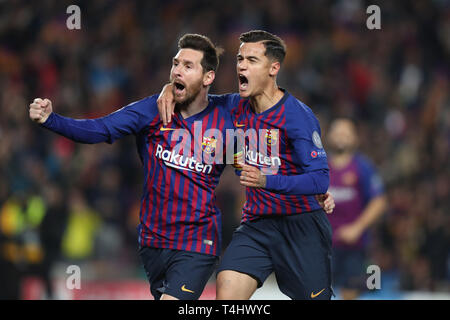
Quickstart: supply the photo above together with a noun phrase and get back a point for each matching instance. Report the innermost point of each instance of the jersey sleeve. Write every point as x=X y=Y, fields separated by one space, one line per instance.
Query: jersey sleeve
x=308 y=183
x=371 y=182
x=131 y=119
x=303 y=131
x=304 y=135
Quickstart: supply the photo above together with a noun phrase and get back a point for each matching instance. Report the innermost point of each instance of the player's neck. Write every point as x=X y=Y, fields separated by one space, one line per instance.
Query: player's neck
x=196 y=106
x=341 y=160
x=266 y=99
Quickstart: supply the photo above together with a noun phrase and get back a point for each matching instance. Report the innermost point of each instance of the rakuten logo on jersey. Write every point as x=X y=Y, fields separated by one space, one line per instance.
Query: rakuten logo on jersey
x=178 y=161
x=261 y=148
x=257 y=158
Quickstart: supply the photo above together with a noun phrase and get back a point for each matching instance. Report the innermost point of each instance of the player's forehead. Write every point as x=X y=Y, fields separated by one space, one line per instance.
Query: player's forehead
x=189 y=55
x=256 y=49
x=343 y=126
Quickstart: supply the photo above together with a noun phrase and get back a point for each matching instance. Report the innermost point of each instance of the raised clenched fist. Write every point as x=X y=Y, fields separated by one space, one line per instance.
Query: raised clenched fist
x=40 y=110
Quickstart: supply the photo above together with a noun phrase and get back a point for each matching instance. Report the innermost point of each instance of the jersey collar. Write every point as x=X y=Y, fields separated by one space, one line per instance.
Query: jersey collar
x=279 y=103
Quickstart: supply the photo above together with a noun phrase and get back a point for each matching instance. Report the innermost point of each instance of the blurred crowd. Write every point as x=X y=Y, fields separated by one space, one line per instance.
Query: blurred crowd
x=65 y=201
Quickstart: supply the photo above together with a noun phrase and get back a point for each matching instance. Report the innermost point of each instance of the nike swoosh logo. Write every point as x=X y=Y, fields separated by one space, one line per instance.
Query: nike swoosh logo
x=239 y=125
x=183 y=288
x=166 y=129
x=313 y=295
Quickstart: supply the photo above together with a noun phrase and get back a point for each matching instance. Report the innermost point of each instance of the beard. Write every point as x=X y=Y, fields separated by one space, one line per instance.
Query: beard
x=191 y=94
x=338 y=150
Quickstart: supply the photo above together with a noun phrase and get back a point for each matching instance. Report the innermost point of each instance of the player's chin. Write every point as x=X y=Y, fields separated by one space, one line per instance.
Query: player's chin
x=180 y=98
x=244 y=93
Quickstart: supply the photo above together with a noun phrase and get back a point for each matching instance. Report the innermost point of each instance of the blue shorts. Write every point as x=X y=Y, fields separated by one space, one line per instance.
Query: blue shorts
x=181 y=274
x=296 y=248
x=348 y=268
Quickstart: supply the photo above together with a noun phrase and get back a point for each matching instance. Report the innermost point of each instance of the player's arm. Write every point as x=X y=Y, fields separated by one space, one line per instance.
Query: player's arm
x=84 y=131
x=350 y=233
x=252 y=177
x=308 y=183
x=376 y=203
x=309 y=154
x=128 y=120
x=314 y=180
x=303 y=132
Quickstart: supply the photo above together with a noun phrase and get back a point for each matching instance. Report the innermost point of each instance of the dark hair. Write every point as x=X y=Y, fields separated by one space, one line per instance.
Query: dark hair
x=211 y=53
x=275 y=46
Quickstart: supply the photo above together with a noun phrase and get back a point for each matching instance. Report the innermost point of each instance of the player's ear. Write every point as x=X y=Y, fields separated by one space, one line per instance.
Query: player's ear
x=274 y=68
x=208 y=78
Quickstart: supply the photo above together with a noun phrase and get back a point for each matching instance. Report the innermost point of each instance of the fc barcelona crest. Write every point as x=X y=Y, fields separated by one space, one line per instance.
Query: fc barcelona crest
x=271 y=136
x=209 y=144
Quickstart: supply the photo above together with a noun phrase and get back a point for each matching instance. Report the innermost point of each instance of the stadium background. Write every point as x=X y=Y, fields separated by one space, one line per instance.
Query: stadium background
x=67 y=204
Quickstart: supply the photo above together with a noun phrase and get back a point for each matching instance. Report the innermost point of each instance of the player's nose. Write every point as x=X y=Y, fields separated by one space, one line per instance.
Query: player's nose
x=176 y=71
x=241 y=65
x=176 y=75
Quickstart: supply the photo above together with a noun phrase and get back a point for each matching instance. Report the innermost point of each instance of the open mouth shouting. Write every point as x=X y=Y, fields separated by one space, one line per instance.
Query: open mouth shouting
x=243 y=82
x=179 y=88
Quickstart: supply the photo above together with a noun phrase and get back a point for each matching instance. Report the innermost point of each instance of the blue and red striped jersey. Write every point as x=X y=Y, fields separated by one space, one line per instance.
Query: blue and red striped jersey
x=291 y=130
x=353 y=187
x=181 y=168
x=178 y=209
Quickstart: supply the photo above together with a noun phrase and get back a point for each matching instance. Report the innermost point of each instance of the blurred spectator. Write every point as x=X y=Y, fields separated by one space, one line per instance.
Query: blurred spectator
x=78 y=242
x=11 y=222
x=51 y=232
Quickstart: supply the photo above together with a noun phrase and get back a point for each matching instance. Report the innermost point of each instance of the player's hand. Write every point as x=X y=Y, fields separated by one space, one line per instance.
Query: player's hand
x=238 y=160
x=252 y=177
x=326 y=201
x=349 y=233
x=40 y=110
x=166 y=104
